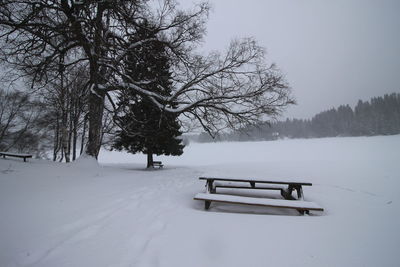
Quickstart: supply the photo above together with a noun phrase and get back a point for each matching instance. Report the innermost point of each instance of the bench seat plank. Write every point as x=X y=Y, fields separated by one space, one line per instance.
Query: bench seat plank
x=276 y=203
x=242 y=185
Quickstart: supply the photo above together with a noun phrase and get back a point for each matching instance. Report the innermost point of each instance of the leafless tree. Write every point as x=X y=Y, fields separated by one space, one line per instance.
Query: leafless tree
x=218 y=90
x=19 y=115
x=66 y=99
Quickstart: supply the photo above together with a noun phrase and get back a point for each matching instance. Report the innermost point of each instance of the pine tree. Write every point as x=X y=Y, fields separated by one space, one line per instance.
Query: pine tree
x=145 y=127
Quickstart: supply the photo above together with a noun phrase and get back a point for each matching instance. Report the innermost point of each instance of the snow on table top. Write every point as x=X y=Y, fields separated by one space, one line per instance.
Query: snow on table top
x=257 y=180
x=259 y=201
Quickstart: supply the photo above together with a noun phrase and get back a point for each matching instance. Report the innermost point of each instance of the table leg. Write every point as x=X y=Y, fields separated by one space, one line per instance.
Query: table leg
x=287 y=194
x=207 y=204
x=303 y=212
x=209 y=187
x=299 y=190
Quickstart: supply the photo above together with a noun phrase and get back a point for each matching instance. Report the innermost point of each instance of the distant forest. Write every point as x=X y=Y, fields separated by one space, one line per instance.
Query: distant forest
x=379 y=116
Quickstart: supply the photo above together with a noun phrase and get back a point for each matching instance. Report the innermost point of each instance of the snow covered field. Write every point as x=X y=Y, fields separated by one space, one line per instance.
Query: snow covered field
x=119 y=214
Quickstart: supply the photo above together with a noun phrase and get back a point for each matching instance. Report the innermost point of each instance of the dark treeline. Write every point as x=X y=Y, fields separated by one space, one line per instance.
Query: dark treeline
x=379 y=116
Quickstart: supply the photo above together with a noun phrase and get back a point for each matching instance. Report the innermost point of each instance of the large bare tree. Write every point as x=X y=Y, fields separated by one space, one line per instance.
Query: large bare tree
x=219 y=90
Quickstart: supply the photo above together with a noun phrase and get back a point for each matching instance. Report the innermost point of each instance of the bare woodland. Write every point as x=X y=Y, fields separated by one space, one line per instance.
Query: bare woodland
x=73 y=56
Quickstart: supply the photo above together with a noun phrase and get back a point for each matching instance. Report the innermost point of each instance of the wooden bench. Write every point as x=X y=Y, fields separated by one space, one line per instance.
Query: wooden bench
x=24 y=156
x=285 y=187
x=158 y=164
x=301 y=206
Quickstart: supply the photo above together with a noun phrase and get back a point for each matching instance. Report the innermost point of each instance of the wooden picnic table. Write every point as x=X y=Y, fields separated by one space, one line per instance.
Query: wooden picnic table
x=285 y=187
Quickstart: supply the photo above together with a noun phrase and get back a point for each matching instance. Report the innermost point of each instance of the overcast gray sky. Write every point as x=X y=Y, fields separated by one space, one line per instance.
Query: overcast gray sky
x=332 y=52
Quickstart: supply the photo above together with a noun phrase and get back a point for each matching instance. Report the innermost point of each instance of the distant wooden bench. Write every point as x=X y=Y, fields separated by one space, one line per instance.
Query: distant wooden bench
x=158 y=164
x=24 y=156
x=285 y=187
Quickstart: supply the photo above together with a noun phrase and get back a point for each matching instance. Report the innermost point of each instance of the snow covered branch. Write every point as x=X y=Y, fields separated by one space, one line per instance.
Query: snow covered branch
x=230 y=90
x=43 y=37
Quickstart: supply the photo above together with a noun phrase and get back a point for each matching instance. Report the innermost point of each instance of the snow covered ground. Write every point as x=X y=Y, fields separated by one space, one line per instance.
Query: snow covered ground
x=119 y=214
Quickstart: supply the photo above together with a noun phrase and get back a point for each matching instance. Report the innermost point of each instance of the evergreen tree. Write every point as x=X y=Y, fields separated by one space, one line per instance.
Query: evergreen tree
x=145 y=127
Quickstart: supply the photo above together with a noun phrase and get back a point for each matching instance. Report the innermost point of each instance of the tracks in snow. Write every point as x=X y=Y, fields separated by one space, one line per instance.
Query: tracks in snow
x=128 y=227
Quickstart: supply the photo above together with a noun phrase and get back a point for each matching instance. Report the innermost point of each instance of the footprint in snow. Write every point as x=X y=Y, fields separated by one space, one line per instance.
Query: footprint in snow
x=8 y=170
x=85 y=233
x=157 y=226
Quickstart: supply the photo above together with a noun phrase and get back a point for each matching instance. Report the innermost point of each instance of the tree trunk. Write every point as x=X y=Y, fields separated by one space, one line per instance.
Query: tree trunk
x=65 y=143
x=56 y=140
x=64 y=110
x=150 y=160
x=96 y=108
x=70 y=130
x=62 y=154
x=74 y=140
x=96 y=96
x=83 y=135
x=75 y=120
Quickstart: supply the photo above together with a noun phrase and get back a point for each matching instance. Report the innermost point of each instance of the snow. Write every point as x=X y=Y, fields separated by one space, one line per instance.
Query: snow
x=117 y=213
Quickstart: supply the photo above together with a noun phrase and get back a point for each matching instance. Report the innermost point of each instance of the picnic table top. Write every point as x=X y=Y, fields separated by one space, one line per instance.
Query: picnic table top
x=256 y=180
